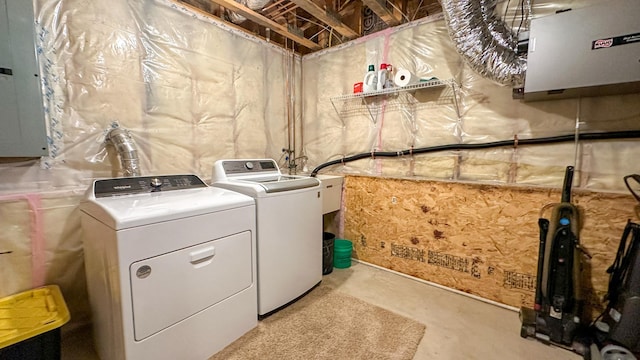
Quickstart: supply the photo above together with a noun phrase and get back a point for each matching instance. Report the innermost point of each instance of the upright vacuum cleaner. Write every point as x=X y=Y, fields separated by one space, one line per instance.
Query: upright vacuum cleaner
x=557 y=314
x=618 y=328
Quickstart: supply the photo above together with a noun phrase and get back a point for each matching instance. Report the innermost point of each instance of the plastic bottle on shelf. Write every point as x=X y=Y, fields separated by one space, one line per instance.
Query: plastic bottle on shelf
x=389 y=82
x=370 y=79
x=382 y=77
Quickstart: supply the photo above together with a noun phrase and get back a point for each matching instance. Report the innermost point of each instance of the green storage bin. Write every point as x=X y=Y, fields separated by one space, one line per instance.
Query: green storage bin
x=342 y=253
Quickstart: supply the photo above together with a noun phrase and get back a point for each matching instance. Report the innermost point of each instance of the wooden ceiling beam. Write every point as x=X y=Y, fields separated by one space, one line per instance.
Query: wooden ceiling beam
x=280 y=11
x=263 y=21
x=344 y=5
x=272 y=5
x=322 y=15
x=307 y=26
x=379 y=7
x=399 y=8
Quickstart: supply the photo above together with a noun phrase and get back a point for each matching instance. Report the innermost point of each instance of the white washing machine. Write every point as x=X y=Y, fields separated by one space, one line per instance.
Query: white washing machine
x=170 y=266
x=289 y=227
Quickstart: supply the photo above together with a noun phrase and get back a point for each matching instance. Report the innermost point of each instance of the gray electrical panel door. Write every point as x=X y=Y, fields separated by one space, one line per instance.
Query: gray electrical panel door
x=590 y=51
x=22 y=124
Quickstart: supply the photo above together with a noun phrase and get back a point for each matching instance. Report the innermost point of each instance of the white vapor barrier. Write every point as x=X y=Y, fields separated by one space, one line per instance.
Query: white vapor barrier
x=16 y=219
x=41 y=244
x=188 y=89
x=471 y=110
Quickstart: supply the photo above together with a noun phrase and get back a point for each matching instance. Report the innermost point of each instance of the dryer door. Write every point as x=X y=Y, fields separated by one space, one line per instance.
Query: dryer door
x=171 y=287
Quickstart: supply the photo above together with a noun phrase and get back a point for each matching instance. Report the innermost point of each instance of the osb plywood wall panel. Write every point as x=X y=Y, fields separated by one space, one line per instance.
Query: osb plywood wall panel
x=479 y=239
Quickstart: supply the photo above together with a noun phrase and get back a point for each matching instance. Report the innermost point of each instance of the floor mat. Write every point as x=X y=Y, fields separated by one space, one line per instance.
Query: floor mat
x=327 y=324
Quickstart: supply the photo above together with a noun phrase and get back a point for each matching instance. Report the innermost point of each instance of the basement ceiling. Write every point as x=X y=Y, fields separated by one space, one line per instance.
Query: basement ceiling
x=311 y=25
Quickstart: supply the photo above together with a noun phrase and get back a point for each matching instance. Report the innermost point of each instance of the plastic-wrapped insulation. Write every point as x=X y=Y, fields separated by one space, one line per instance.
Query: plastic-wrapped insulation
x=484 y=41
x=126 y=148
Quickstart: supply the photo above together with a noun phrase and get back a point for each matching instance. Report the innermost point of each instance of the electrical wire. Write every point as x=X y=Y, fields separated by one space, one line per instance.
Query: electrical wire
x=521 y=16
x=330 y=36
x=506 y=9
x=313 y=22
x=417 y=9
x=326 y=28
x=515 y=14
x=533 y=141
x=400 y=11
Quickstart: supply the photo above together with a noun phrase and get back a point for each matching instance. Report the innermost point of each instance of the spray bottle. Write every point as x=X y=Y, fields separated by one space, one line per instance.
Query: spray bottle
x=370 y=79
x=382 y=77
x=389 y=83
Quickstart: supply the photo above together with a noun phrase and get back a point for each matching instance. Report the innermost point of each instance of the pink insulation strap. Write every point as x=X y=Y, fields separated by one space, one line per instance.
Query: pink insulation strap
x=38 y=270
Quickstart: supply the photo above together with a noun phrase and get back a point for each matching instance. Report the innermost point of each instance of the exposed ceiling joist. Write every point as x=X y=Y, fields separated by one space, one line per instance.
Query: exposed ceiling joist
x=263 y=21
x=322 y=15
x=312 y=24
x=281 y=11
x=273 y=5
x=388 y=16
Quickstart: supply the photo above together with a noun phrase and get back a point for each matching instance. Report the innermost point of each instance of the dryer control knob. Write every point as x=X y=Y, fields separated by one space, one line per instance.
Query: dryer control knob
x=156 y=183
x=248 y=165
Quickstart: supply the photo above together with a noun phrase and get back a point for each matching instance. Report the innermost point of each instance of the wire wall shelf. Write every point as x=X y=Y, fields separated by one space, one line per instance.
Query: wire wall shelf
x=398 y=96
x=395 y=90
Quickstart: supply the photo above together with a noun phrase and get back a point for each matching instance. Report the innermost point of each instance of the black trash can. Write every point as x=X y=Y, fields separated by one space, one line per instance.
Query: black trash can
x=328 y=240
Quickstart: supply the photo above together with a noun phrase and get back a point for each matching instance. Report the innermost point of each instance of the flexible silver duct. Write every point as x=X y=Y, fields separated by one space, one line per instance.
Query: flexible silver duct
x=484 y=41
x=126 y=148
x=251 y=4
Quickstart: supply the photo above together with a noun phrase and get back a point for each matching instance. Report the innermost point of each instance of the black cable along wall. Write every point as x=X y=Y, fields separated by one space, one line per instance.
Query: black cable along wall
x=613 y=135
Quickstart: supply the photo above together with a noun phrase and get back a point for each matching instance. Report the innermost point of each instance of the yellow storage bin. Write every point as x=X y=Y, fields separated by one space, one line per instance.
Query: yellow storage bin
x=30 y=324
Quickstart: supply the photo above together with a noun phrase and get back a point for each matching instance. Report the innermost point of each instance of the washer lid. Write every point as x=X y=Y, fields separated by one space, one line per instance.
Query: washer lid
x=282 y=183
x=257 y=176
x=121 y=204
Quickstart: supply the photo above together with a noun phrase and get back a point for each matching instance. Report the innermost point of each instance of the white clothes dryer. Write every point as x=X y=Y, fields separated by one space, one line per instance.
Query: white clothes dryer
x=289 y=228
x=170 y=265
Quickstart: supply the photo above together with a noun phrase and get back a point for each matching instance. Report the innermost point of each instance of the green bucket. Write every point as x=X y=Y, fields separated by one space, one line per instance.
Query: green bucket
x=342 y=253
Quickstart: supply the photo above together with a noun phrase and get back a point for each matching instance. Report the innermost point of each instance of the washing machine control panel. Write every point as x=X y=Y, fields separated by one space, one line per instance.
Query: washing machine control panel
x=145 y=184
x=250 y=166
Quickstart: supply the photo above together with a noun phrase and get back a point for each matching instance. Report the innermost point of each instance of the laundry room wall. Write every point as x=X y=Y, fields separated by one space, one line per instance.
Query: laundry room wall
x=472 y=110
x=473 y=207
x=191 y=90
x=188 y=89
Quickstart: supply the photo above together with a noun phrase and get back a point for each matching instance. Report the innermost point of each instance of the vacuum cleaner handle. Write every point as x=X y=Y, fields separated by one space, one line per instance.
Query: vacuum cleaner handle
x=635 y=177
x=566 y=187
x=543 y=224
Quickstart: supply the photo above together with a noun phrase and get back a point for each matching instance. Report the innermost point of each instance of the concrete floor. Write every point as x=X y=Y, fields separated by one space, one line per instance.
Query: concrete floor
x=458 y=327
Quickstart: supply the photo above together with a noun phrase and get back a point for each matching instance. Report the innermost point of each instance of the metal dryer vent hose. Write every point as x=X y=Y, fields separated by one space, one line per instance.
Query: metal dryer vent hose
x=484 y=41
x=126 y=148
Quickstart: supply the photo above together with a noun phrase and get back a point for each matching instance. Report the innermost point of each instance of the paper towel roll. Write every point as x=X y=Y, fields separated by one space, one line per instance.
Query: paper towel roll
x=404 y=77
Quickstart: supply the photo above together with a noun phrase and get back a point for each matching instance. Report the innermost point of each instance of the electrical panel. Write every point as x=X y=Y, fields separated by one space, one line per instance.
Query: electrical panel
x=22 y=122
x=590 y=51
